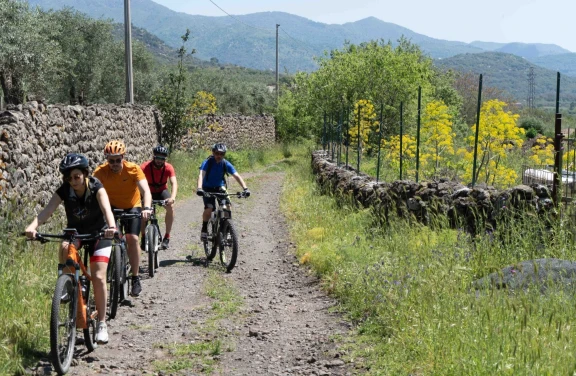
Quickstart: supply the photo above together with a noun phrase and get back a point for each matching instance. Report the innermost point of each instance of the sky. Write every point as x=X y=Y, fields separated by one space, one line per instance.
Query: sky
x=528 y=21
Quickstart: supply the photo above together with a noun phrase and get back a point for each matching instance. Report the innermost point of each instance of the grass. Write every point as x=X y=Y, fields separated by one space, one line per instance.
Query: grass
x=27 y=277
x=408 y=289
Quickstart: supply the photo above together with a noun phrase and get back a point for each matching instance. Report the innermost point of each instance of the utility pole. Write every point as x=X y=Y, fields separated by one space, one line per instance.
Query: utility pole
x=531 y=88
x=128 y=51
x=277 y=87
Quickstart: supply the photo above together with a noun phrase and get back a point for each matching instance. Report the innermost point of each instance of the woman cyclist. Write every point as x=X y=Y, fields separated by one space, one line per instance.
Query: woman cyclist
x=88 y=211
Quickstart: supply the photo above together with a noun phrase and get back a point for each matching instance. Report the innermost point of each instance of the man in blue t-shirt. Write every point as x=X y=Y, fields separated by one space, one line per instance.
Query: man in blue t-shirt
x=212 y=179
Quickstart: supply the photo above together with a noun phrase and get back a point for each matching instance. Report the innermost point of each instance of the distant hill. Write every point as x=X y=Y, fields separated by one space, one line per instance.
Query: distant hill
x=564 y=63
x=532 y=50
x=510 y=73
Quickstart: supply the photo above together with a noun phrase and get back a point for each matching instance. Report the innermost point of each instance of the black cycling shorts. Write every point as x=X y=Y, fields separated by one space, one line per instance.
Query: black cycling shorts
x=161 y=195
x=210 y=202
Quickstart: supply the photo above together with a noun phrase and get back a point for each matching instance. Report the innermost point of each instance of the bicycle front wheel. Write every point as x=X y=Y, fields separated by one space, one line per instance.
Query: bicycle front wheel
x=91 y=319
x=63 y=323
x=125 y=272
x=114 y=280
x=151 y=247
x=211 y=242
x=228 y=245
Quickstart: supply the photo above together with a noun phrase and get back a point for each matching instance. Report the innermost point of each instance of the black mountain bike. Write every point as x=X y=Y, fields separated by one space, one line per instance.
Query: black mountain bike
x=66 y=304
x=153 y=238
x=222 y=234
x=118 y=266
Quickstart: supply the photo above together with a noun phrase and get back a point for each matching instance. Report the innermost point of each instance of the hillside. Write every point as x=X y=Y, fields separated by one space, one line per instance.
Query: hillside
x=510 y=73
x=564 y=63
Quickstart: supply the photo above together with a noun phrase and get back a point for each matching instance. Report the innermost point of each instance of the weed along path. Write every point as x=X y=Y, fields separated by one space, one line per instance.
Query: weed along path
x=267 y=317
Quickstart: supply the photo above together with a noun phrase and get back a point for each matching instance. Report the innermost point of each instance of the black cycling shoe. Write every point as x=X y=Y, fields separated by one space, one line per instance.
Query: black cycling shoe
x=165 y=243
x=136 y=286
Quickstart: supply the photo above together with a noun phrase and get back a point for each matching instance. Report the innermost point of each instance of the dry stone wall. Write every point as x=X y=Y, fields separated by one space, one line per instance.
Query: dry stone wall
x=236 y=131
x=34 y=137
x=474 y=209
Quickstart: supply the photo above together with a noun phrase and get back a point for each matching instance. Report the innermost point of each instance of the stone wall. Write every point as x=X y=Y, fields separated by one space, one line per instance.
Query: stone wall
x=236 y=131
x=35 y=137
x=474 y=209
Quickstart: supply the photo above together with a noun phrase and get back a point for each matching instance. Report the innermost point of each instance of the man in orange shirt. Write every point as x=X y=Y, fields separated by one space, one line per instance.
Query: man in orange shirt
x=125 y=183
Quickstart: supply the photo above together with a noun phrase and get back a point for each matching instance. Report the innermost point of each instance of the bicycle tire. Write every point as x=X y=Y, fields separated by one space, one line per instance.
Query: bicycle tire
x=125 y=272
x=114 y=279
x=63 y=317
x=156 y=263
x=211 y=243
x=151 y=247
x=228 y=245
x=91 y=320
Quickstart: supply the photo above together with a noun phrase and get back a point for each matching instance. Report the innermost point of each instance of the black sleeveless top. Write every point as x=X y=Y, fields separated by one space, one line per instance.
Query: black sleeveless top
x=83 y=213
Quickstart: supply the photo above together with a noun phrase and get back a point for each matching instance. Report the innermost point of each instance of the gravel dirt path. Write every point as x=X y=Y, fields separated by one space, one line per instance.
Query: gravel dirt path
x=267 y=317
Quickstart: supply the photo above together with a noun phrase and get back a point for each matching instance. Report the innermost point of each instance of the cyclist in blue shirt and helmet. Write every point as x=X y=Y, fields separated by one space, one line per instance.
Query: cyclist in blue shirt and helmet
x=212 y=179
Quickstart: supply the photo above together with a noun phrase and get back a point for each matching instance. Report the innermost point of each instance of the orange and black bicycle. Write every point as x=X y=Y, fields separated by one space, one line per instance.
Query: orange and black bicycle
x=73 y=305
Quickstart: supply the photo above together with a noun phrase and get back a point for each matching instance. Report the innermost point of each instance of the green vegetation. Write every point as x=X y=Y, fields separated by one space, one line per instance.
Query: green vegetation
x=409 y=289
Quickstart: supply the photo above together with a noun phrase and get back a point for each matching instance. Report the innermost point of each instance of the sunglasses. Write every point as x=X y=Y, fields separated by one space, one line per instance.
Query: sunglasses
x=115 y=161
x=160 y=157
x=219 y=153
x=75 y=177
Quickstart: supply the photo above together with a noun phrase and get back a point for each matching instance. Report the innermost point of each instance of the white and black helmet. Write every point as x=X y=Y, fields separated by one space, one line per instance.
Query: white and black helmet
x=72 y=161
x=221 y=148
x=160 y=150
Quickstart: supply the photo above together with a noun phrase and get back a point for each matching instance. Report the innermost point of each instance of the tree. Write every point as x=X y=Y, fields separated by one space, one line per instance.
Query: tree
x=498 y=135
x=173 y=102
x=28 y=53
x=363 y=111
x=437 y=135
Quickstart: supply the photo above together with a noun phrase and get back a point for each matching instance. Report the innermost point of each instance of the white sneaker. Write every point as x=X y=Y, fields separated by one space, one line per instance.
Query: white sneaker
x=102 y=335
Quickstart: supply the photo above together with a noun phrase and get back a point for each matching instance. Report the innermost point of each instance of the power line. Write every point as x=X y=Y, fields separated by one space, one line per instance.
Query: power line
x=237 y=19
x=304 y=44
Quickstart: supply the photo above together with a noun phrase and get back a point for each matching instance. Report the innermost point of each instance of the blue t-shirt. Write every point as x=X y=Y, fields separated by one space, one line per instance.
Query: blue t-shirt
x=216 y=179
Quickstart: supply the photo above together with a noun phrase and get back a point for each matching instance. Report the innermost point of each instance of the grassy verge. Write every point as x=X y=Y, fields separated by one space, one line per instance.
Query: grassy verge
x=27 y=277
x=408 y=288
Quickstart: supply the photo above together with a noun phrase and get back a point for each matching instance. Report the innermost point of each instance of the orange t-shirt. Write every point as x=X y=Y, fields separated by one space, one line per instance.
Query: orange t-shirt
x=122 y=188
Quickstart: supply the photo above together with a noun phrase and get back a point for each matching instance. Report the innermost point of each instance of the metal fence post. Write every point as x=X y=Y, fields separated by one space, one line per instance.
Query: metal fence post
x=379 y=143
x=401 y=136
x=358 y=137
x=324 y=133
x=474 y=174
x=418 y=134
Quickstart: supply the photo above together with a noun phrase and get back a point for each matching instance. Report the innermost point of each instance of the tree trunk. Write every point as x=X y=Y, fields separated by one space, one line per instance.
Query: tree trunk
x=13 y=91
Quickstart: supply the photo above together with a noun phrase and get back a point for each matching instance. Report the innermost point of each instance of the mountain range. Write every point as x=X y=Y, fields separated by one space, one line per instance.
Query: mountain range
x=249 y=40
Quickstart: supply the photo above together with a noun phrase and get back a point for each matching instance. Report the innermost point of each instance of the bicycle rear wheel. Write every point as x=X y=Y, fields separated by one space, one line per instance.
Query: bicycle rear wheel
x=114 y=280
x=63 y=323
x=151 y=247
x=210 y=243
x=228 y=245
x=91 y=319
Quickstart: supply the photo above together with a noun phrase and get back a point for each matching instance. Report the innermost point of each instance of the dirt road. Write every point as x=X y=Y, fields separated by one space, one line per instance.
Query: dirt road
x=267 y=317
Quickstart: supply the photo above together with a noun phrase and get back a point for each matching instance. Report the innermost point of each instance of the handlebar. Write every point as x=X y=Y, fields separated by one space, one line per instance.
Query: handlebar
x=68 y=234
x=159 y=202
x=122 y=214
x=224 y=194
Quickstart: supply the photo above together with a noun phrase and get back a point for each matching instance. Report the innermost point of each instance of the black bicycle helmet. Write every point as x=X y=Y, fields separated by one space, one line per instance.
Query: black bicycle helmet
x=73 y=160
x=221 y=148
x=160 y=150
